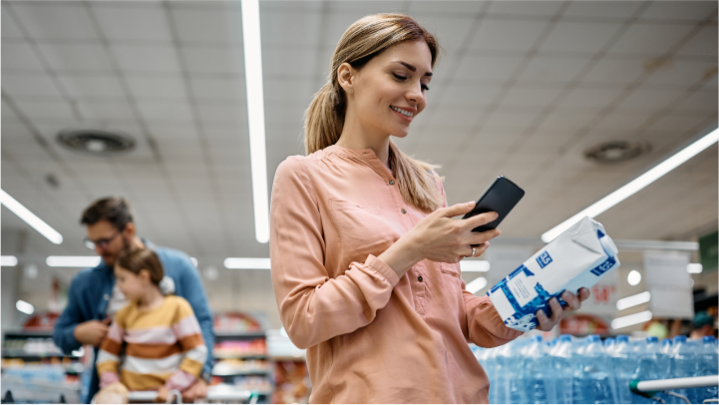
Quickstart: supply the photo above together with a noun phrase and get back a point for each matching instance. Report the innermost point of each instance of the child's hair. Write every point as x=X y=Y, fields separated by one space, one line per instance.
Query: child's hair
x=142 y=259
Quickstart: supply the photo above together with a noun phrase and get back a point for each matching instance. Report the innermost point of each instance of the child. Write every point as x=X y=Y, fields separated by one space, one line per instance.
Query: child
x=163 y=345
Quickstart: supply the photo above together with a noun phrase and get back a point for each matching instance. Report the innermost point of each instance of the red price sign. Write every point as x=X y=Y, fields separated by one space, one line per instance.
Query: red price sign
x=603 y=293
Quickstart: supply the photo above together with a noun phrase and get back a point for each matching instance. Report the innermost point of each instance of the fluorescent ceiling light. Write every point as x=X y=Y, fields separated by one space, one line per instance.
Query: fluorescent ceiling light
x=635 y=185
x=634 y=277
x=248 y=263
x=194 y=261
x=73 y=261
x=694 y=268
x=476 y=285
x=31 y=219
x=8 y=261
x=256 y=116
x=633 y=300
x=24 y=307
x=474 y=265
x=633 y=319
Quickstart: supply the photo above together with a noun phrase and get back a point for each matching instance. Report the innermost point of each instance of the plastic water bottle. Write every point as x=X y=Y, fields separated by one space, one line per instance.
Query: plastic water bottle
x=534 y=373
x=708 y=365
x=502 y=366
x=515 y=376
x=597 y=387
x=624 y=365
x=562 y=372
x=650 y=365
x=609 y=344
x=492 y=373
x=685 y=363
x=578 y=373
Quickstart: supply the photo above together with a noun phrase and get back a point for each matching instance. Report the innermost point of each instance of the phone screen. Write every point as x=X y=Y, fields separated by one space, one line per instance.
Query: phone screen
x=500 y=197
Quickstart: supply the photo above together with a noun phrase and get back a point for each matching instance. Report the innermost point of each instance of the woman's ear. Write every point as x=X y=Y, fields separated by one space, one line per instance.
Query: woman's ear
x=144 y=275
x=345 y=76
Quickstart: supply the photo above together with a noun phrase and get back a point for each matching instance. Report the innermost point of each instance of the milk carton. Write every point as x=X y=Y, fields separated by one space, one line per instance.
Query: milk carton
x=579 y=257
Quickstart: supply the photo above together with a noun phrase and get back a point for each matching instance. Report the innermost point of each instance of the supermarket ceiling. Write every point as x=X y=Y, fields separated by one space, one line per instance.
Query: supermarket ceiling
x=522 y=90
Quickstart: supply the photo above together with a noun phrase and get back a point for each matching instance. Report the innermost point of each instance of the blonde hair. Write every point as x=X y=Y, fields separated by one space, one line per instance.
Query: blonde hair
x=324 y=119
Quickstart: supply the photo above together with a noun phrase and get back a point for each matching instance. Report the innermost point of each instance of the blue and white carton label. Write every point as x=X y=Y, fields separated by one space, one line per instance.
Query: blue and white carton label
x=577 y=258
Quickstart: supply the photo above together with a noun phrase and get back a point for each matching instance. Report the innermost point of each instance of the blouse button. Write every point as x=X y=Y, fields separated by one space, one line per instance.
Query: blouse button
x=420 y=279
x=391 y=182
x=404 y=211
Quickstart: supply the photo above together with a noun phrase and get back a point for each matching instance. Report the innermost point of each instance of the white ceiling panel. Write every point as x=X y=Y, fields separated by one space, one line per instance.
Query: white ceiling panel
x=76 y=57
x=569 y=36
x=464 y=8
x=365 y=7
x=647 y=40
x=279 y=62
x=703 y=100
x=685 y=10
x=89 y=86
x=704 y=44
x=544 y=69
x=479 y=67
x=449 y=31
x=525 y=8
x=153 y=59
x=37 y=110
x=211 y=25
x=20 y=56
x=102 y=111
x=459 y=93
x=528 y=97
x=231 y=112
x=218 y=88
x=224 y=60
x=589 y=99
x=650 y=99
x=9 y=28
x=19 y=86
x=166 y=86
x=615 y=71
x=507 y=119
x=54 y=20
x=158 y=111
x=135 y=21
x=603 y=9
x=288 y=30
x=516 y=35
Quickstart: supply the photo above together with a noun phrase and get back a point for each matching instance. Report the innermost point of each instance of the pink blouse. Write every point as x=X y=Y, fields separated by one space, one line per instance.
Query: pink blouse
x=371 y=336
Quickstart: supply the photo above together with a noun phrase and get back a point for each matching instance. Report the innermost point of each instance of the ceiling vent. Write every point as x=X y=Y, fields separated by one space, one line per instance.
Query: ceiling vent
x=96 y=141
x=616 y=151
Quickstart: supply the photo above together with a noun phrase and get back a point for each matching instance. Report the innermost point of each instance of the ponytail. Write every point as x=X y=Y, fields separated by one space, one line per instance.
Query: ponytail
x=324 y=118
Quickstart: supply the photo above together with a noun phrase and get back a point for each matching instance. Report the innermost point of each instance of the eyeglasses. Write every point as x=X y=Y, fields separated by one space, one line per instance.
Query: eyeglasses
x=100 y=243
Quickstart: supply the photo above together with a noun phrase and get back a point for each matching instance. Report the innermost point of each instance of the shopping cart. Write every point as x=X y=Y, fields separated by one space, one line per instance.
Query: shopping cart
x=221 y=393
x=20 y=390
x=649 y=389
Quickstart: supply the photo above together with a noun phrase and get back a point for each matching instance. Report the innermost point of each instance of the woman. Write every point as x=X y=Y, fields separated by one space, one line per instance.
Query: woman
x=364 y=250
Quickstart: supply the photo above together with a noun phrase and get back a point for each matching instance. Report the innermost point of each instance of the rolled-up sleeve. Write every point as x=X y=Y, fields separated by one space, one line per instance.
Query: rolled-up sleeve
x=314 y=307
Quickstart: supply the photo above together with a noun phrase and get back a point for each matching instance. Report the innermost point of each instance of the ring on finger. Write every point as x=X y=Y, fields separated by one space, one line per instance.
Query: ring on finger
x=474 y=251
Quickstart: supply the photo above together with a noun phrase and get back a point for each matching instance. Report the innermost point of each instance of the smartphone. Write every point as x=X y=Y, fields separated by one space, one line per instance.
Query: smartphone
x=500 y=197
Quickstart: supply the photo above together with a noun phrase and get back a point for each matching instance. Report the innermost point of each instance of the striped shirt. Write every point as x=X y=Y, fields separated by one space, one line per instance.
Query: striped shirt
x=162 y=346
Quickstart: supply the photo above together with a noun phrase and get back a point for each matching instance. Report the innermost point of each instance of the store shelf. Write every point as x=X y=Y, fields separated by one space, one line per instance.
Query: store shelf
x=232 y=373
x=241 y=356
x=240 y=335
x=21 y=354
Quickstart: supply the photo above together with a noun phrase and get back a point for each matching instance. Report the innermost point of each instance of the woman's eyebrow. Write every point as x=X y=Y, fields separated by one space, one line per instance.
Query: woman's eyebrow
x=412 y=68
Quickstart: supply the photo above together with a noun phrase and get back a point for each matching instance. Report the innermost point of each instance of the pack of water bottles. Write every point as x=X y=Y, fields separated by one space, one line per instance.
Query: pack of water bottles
x=571 y=370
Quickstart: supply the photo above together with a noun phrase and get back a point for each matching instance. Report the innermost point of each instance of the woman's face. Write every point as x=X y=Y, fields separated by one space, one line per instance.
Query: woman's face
x=391 y=89
x=130 y=284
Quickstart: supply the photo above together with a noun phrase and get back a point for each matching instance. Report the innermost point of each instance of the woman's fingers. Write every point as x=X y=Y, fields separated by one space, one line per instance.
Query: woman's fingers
x=557 y=311
x=572 y=301
x=457 y=209
x=478 y=238
x=479 y=220
x=584 y=294
x=544 y=323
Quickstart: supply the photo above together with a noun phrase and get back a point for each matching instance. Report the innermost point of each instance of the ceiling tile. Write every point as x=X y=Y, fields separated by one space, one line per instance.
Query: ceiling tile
x=296 y=62
x=478 y=67
x=587 y=37
x=465 y=8
x=88 y=86
x=127 y=21
x=681 y=72
x=548 y=70
x=289 y=30
x=168 y=86
x=18 y=86
x=9 y=28
x=366 y=7
x=165 y=111
x=50 y=20
x=603 y=9
x=226 y=112
x=214 y=60
x=615 y=71
x=156 y=59
x=507 y=35
x=107 y=111
x=46 y=110
x=20 y=56
x=460 y=94
x=701 y=100
x=680 y=10
x=704 y=44
x=525 y=8
x=81 y=57
x=451 y=32
x=589 y=99
x=206 y=88
x=504 y=119
x=218 y=26
x=648 y=40
x=521 y=96
x=650 y=99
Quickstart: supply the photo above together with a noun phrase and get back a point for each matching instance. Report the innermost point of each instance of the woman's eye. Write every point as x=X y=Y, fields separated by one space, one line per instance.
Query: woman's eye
x=398 y=77
x=424 y=87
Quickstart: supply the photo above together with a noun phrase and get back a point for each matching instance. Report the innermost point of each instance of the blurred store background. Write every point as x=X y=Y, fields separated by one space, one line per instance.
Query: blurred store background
x=149 y=100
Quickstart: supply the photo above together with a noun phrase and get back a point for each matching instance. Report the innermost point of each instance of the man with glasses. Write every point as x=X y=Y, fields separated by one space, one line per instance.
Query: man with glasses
x=93 y=297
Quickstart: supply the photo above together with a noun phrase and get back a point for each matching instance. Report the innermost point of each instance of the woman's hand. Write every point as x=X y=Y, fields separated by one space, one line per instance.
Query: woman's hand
x=573 y=303
x=440 y=238
x=162 y=394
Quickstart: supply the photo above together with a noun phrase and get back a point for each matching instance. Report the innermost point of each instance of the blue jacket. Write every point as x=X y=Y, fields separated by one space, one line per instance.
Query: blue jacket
x=90 y=293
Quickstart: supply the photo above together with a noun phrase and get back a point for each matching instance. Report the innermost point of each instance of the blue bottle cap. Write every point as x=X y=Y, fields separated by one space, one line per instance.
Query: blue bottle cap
x=652 y=339
x=565 y=338
x=708 y=339
x=536 y=338
x=680 y=338
x=593 y=338
x=622 y=339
